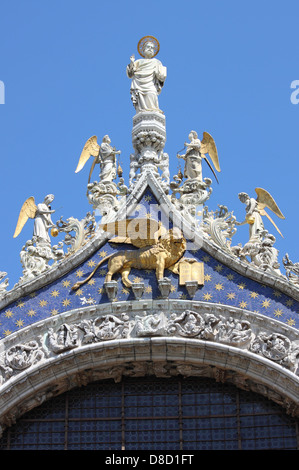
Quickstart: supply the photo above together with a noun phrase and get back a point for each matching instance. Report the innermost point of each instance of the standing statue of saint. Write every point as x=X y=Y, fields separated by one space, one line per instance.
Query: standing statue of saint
x=148 y=76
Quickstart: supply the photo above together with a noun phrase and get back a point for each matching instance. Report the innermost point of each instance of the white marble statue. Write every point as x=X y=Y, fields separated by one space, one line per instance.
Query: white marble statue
x=107 y=160
x=43 y=221
x=148 y=76
x=193 y=158
x=255 y=209
x=41 y=213
x=104 y=154
x=196 y=151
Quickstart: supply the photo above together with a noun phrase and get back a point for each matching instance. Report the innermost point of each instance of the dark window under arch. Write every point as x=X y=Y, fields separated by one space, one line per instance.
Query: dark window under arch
x=154 y=414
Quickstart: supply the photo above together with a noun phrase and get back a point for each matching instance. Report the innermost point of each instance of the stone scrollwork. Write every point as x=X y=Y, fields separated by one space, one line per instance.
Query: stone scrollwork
x=260 y=252
x=191 y=194
x=35 y=257
x=77 y=232
x=219 y=225
x=292 y=270
x=38 y=255
x=3 y=283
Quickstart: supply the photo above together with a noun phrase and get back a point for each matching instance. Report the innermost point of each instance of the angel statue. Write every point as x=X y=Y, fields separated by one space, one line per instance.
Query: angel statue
x=196 y=151
x=41 y=213
x=255 y=209
x=148 y=76
x=103 y=154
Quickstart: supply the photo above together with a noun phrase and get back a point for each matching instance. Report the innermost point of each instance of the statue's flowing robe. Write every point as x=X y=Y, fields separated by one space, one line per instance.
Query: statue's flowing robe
x=256 y=228
x=147 y=81
x=108 y=166
x=42 y=222
x=193 y=162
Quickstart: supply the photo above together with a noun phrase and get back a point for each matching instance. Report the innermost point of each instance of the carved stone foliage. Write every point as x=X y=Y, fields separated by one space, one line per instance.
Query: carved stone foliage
x=148 y=139
x=219 y=225
x=77 y=232
x=105 y=197
x=38 y=255
x=260 y=252
x=292 y=270
x=3 y=283
x=189 y=324
x=187 y=197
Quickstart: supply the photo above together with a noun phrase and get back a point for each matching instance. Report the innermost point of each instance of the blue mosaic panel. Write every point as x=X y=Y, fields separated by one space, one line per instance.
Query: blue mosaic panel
x=222 y=285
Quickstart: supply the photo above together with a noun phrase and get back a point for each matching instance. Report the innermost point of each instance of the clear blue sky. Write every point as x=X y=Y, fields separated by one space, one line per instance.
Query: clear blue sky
x=230 y=68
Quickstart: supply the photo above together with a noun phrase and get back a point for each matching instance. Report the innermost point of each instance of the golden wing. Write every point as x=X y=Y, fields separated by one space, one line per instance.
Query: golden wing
x=208 y=146
x=27 y=211
x=91 y=148
x=137 y=232
x=264 y=199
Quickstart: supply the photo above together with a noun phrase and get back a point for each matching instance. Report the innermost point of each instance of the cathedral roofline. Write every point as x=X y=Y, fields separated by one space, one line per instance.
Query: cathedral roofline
x=148 y=180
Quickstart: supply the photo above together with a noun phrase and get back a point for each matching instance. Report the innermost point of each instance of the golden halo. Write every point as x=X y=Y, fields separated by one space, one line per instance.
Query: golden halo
x=146 y=39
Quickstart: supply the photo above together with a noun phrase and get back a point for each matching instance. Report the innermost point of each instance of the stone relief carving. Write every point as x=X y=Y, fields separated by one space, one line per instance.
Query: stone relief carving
x=276 y=347
x=104 y=328
x=150 y=325
x=19 y=357
x=233 y=331
x=187 y=324
x=64 y=339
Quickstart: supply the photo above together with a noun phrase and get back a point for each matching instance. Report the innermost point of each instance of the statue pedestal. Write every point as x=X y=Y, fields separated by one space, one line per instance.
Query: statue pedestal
x=148 y=138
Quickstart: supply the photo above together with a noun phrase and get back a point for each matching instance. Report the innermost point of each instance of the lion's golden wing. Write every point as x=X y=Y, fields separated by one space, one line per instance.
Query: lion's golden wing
x=91 y=148
x=138 y=232
x=27 y=211
x=208 y=146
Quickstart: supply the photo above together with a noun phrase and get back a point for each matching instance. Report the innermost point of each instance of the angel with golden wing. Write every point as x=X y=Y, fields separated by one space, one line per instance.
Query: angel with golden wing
x=196 y=151
x=103 y=154
x=41 y=213
x=255 y=209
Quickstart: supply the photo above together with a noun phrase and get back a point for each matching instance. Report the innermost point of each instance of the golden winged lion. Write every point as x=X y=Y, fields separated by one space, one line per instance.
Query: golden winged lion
x=255 y=209
x=157 y=248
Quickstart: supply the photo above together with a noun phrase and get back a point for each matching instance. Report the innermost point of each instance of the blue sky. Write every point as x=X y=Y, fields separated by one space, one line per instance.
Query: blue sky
x=230 y=68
